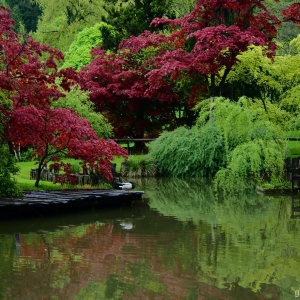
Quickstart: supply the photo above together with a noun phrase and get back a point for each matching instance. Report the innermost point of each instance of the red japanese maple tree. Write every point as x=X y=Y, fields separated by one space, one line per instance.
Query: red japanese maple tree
x=292 y=13
x=30 y=77
x=119 y=89
x=209 y=39
x=138 y=94
x=60 y=131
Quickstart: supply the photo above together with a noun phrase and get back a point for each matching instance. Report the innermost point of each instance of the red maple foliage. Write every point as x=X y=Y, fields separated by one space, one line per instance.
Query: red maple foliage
x=60 y=131
x=209 y=39
x=28 y=69
x=292 y=13
x=120 y=90
x=138 y=92
x=30 y=77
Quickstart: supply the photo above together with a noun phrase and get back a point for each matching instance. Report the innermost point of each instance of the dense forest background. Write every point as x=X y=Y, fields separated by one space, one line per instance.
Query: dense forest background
x=57 y=23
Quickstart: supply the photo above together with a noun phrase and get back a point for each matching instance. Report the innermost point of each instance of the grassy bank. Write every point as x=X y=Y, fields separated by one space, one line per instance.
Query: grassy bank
x=25 y=184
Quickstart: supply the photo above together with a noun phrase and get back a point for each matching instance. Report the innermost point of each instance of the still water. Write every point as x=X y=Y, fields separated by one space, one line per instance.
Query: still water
x=184 y=243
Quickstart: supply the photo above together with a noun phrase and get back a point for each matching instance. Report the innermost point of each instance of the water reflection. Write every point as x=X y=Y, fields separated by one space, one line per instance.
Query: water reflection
x=187 y=245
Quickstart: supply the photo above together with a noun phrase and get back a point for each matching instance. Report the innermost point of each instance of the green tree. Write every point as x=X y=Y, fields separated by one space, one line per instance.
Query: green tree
x=101 y=34
x=258 y=77
x=182 y=7
x=233 y=141
x=132 y=18
x=63 y=20
x=26 y=12
x=189 y=152
x=79 y=101
x=255 y=149
x=8 y=166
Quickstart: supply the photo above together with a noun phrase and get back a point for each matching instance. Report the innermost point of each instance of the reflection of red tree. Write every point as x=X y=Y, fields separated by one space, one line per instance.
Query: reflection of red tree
x=66 y=263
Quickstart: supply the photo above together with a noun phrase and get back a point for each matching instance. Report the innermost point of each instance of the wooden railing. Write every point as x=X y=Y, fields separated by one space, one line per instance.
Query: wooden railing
x=90 y=177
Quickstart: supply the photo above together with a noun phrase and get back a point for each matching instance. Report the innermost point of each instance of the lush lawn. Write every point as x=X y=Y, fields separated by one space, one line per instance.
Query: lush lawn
x=26 y=184
x=294 y=148
x=294 y=133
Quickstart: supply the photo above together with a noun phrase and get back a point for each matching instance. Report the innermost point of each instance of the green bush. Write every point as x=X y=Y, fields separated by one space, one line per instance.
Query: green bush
x=78 y=100
x=189 y=152
x=8 y=187
x=28 y=155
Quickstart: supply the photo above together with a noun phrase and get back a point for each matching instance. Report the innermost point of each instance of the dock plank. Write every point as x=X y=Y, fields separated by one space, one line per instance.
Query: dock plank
x=53 y=202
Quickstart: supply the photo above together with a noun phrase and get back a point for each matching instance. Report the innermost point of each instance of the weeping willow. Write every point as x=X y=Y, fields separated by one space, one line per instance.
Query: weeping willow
x=237 y=143
x=189 y=152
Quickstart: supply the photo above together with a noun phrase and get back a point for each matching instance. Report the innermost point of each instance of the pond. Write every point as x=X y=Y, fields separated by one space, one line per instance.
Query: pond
x=180 y=243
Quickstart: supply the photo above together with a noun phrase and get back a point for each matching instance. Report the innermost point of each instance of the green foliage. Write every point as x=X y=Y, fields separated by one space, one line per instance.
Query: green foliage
x=63 y=20
x=254 y=76
x=101 y=34
x=253 y=146
x=252 y=162
x=237 y=142
x=8 y=167
x=295 y=45
x=28 y=155
x=243 y=121
x=189 y=152
x=25 y=13
x=290 y=102
x=258 y=77
x=76 y=168
x=134 y=17
x=79 y=101
x=287 y=30
x=8 y=186
x=182 y=7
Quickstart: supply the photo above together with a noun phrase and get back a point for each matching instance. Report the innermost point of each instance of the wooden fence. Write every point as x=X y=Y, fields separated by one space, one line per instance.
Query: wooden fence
x=91 y=178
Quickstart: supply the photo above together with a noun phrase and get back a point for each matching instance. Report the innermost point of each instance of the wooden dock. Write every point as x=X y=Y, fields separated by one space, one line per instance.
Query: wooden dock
x=43 y=203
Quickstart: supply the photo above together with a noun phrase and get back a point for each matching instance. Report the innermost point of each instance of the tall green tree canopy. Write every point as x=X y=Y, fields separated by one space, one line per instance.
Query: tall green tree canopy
x=101 y=35
x=63 y=20
x=134 y=17
x=26 y=12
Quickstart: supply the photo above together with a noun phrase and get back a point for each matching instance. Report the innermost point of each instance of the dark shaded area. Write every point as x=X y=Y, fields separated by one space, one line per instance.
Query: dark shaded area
x=25 y=12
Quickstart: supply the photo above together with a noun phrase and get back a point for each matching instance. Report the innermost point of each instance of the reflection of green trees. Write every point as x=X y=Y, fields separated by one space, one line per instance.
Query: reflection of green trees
x=184 y=199
x=7 y=253
x=196 y=242
x=251 y=240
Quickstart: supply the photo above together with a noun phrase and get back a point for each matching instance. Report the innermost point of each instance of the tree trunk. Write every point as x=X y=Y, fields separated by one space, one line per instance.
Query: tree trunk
x=39 y=172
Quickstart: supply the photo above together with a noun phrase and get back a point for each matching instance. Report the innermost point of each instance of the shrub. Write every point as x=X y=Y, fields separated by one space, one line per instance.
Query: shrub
x=8 y=186
x=189 y=152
